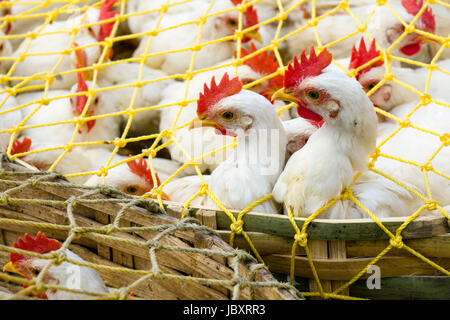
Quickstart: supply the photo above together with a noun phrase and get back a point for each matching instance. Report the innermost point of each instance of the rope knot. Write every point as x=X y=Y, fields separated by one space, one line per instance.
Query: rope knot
x=352 y=73
x=138 y=84
x=426 y=167
x=389 y=76
x=104 y=189
x=149 y=153
x=164 y=8
x=108 y=229
x=238 y=34
x=405 y=123
x=409 y=29
x=102 y=172
x=203 y=189
x=396 y=242
x=445 y=138
x=188 y=75
x=282 y=16
x=201 y=20
x=108 y=42
x=431 y=205
x=425 y=99
x=153 y=33
x=313 y=23
x=274 y=44
x=301 y=238
x=346 y=194
x=344 y=4
x=236 y=226
x=153 y=244
x=130 y=113
x=3 y=199
x=121 y=143
x=79 y=232
x=58 y=257
x=166 y=133
x=33 y=181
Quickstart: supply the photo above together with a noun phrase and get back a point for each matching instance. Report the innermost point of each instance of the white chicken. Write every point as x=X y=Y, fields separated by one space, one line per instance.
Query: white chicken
x=65 y=275
x=253 y=69
x=250 y=172
x=391 y=94
x=9 y=117
x=34 y=14
x=6 y=51
x=298 y=132
x=183 y=37
x=432 y=117
x=382 y=25
x=334 y=154
x=150 y=94
x=43 y=54
x=133 y=177
x=52 y=126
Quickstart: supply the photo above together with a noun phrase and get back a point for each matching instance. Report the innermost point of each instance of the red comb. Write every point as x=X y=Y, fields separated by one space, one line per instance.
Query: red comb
x=263 y=63
x=41 y=244
x=307 y=67
x=142 y=169
x=250 y=15
x=105 y=14
x=82 y=99
x=427 y=17
x=81 y=57
x=81 y=102
x=251 y=18
x=362 y=56
x=211 y=96
x=20 y=146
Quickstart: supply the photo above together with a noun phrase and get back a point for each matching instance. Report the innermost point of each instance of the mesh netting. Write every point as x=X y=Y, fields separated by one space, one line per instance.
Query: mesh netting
x=286 y=21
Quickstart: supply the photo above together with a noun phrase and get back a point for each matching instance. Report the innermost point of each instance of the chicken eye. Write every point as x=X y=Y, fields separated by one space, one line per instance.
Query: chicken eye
x=371 y=85
x=247 y=81
x=227 y=115
x=34 y=272
x=131 y=190
x=232 y=22
x=96 y=100
x=1 y=47
x=313 y=94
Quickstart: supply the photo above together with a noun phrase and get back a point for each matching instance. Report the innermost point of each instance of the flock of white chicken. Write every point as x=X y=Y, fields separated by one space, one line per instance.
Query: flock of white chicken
x=322 y=142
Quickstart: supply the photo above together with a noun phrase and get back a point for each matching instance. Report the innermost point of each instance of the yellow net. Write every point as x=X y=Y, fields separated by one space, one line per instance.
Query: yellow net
x=45 y=13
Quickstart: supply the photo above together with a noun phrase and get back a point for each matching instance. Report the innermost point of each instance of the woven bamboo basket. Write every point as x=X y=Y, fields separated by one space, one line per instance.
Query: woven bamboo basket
x=192 y=261
x=342 y=249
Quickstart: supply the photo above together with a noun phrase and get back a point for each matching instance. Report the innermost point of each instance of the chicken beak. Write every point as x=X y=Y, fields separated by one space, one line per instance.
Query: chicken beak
x=255 y=35
x=427 y=39
x=165 y=196
x=198 y=122
x=81 y=58
x=11 y=267
x=281 y=94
